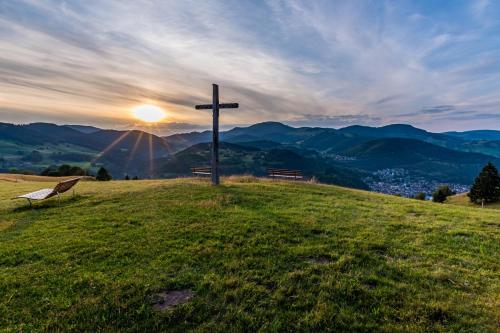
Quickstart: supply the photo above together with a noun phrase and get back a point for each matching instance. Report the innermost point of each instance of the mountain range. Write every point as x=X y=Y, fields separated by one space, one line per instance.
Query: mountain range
x=345 y=156
x=120 y=151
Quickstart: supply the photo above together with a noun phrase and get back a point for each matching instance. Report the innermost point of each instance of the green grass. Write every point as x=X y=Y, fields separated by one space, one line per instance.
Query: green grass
x=246 y=249
x=14 y=177
x=463 y=200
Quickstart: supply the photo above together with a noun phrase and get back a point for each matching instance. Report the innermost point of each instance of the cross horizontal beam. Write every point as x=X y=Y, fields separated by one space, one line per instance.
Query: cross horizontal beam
x=221 y=106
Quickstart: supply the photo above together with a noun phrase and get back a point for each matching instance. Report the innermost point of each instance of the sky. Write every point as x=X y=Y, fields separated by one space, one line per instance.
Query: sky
x=433 y=64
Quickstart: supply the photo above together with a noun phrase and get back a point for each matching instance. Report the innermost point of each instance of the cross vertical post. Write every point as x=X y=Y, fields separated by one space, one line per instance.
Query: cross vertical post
x=215 y=135
x=215 y=106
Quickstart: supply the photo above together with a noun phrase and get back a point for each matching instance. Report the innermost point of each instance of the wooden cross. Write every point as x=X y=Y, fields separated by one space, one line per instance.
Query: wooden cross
x=215 y=106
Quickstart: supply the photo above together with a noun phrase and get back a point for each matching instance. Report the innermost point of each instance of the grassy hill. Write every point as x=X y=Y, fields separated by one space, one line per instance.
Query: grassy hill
x=10 y=177
x=258 y=255
x=463 y=200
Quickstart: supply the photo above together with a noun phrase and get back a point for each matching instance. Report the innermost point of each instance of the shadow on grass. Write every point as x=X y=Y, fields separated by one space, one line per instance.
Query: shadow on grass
x=50 y=203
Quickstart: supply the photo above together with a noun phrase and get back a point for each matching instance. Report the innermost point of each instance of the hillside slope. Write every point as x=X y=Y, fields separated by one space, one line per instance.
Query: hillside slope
x=258 y=255
x=237 y=159
x=476 y=135
x=462 y=199
x=119 y=151
x=335 y=141
x=420 y=158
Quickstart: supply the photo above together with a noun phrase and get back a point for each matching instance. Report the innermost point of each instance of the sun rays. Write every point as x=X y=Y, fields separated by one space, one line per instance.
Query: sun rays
x=110 y=146
x=151 y=143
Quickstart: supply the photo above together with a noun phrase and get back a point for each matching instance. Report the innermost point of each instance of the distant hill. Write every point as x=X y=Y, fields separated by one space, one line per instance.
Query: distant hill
x=83 y=128
x=241 y=159
x=397 y=151
x=476 y=135
x=332 y=140
x=182 y=141
x=270 y=131
x=21 y=134
x=304 y=137
x=486 y=147
x=261 y=144
x=266 y=131
x=402 y=131
x=419 y=157
x=362 y=149
x=120 y=151
x=389 y=131
x=472 y=141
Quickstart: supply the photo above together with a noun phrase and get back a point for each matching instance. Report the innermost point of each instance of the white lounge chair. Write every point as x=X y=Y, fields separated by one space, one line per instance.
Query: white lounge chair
x=49 y=192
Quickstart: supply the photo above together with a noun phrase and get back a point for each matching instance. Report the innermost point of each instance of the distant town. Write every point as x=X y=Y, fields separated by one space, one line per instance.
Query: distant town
x=400 y=182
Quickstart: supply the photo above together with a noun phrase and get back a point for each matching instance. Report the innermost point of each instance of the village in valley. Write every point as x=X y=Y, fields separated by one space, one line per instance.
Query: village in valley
x=400 y=182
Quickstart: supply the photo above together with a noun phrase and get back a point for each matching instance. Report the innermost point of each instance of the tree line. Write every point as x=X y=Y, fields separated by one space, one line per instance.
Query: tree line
x=65 y=170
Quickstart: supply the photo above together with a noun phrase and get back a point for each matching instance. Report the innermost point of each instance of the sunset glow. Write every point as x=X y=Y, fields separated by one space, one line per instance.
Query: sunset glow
x=431 y=64
x=149 y=113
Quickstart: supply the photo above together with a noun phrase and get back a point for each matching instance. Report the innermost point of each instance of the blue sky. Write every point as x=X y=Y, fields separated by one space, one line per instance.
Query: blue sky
x=433 y=64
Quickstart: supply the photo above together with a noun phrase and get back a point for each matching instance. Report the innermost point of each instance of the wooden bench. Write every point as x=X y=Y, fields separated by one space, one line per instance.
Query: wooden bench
x=284 y=173
x=202 y=171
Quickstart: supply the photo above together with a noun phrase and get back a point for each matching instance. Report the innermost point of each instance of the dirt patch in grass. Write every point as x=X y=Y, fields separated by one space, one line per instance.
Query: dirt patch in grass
x=169 y=299
x=321 y=260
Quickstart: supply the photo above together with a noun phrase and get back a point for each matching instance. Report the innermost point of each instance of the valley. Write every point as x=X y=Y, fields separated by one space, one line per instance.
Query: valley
x=394 y=159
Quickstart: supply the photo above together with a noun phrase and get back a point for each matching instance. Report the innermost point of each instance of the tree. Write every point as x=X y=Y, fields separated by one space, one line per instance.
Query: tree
x=127 y=177
x=63 y=170
x=103 y=175
x=441 y=193
x=486 y=187
x=420 y=196
x=68 y=170
x=135 y=178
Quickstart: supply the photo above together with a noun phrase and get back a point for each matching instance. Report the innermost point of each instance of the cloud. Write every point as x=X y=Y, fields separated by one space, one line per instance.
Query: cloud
x=479 y=7
x=334 y=121
x=438 y=109
x=387 y=100
x=331 y=61
x=165 y=129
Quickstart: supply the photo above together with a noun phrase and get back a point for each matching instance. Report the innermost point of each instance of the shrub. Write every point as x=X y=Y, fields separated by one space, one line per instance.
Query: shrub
x=420 y=196
x=441 y=193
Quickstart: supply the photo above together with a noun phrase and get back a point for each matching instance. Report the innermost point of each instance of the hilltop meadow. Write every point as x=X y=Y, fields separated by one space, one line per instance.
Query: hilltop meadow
x=463 y=200
x=253 y=254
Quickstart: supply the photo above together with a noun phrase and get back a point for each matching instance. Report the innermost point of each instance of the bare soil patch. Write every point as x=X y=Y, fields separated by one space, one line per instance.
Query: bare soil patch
x=169 y=299
x=321 y=260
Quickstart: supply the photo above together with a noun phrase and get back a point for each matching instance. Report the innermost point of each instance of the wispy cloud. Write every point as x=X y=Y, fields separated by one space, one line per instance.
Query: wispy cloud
x=314 y=120
x=289 y=61
x=438 y=109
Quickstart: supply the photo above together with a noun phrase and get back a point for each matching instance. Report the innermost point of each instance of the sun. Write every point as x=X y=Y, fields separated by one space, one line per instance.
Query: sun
x=149 y=113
